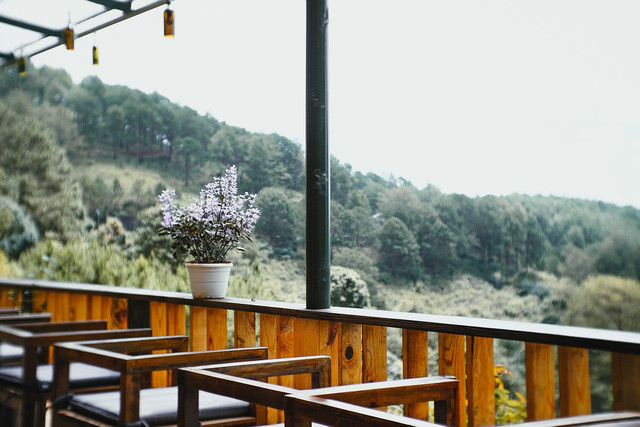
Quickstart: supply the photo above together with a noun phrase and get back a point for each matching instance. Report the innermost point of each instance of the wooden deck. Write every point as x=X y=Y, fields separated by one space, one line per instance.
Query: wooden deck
x=356 y=340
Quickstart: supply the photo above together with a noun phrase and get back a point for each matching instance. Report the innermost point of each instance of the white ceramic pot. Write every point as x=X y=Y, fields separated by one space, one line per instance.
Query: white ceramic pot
x=209 y=280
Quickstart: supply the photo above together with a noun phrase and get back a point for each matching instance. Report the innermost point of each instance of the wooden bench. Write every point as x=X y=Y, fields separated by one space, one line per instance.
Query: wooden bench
x=239 y=380
x=25 y=388
x=133 y=358
x=12 y=353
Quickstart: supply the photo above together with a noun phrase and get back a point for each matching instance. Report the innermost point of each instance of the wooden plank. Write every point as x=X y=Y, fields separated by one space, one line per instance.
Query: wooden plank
x=329 y=343
x=286 y=340
x=626 y=381
x=119 y=314
x=79 y=309
x=4 y=297
x=269 y=325
x=374 y=352
x=176 y=319
x=540 y=377
x=451 y=361
x=95 y=307
x=244 y=329
x=415 y=364
x=217 y=329
x=573 y=380
x=480 y=382
x=105 y=311
x=304 y=345
x=351 y=354
x=158 y=322
x=39 y=301
x=62 y=307
x=198 y=328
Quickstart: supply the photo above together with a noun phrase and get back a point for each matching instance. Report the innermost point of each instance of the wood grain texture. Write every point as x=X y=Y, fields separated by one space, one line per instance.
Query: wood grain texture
x=95 y=307
x=269 y=326
x=540 y=376
x=158 y=322
x=244 y=328
x=626 y=381
x=79 y=309
x=38 y=301
x=198 y=328
x=451 y=361
x=329 y=344
x=481 y=408
x=305 y=344
x=415 y=364
x=573 y=381
x=374 y=353
x=351 y=354
x=217 y=329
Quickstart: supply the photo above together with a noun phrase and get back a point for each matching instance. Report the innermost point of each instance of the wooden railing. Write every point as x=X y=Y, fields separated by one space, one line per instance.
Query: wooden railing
x=356 y=340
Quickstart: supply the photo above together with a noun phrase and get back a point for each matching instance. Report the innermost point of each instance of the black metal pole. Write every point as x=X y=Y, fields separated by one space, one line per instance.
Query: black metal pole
x=317 y=157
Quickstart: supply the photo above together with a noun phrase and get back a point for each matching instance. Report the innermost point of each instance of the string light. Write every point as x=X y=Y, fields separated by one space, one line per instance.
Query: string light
x=96 y=60
x=169 y=29
x=68 y=36
x=22 y=66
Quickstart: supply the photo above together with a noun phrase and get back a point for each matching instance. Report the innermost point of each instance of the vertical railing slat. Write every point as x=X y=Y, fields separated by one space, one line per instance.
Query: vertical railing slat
x=269 y=325
x=451 y=361
x=78 y=307
x=329 y=344
x=573 y=380
x=198 y=328
x=351 y=354
x=626 y=381
x=244 y=328
x=480 y=382
x=415 y=364
x=374 y=339
x=304 y=345
x=158 y=322
x=217 y=329
x=540 y=377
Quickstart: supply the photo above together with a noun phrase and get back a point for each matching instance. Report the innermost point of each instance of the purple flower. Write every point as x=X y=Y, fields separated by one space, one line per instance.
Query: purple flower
x=214 y=222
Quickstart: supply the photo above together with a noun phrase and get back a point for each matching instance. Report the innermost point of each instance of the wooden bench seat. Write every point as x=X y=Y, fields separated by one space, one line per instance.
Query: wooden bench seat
x=132 y=405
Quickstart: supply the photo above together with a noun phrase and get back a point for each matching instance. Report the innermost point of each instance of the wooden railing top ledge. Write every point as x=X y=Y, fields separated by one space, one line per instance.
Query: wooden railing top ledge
x=571 y=336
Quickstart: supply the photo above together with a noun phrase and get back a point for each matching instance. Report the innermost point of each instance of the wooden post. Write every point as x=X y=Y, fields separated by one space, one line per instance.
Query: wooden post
x=415 y=364
x=451 y=361
x=480 y=382
x=626 y=381
x=573 y=379
x=540 y=375
x=351 y=354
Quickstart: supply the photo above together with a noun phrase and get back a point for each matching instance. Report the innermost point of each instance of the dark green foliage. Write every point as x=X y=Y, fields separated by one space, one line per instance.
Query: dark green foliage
x=36 y=174
x=348 y=289
x=277 y=222
x=400 y=251
x=18 y=232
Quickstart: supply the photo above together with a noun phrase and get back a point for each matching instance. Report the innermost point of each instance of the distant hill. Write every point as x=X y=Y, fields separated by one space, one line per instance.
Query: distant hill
x=125 y=146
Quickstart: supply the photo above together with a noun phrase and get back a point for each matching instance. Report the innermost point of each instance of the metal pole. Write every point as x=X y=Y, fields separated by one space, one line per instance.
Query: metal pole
x=317 y=157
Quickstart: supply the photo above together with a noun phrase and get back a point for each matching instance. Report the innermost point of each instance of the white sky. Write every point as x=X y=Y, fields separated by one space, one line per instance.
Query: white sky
x=475 y=97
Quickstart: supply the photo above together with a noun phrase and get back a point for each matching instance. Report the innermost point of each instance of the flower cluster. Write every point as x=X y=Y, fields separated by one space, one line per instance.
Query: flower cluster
x=213 y=224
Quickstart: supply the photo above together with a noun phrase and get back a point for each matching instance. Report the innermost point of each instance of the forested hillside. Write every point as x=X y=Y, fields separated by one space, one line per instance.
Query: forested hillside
x=85 y=162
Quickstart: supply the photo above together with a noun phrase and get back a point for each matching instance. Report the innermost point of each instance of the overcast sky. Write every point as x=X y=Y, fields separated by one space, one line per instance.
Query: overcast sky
x=474 y=97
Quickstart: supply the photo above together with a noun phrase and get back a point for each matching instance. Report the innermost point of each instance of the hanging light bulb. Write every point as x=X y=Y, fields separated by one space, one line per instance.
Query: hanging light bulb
x=22 y=66
x=96 y=60
x=68 y=36
x=169 y=29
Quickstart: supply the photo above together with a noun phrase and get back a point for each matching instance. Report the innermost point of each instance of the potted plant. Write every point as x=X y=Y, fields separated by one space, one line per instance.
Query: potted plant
x=206 y=229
